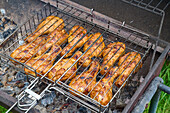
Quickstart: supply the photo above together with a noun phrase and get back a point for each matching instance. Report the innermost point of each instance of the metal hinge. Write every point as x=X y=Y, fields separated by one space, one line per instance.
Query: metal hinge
x=28 y=98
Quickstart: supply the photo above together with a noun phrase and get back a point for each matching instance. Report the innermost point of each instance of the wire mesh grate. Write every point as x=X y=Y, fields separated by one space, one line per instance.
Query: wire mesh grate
x=71 y=17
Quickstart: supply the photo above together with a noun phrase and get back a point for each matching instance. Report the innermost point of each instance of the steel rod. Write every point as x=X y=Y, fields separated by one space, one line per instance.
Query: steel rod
x=164 y=88
x=154 y=102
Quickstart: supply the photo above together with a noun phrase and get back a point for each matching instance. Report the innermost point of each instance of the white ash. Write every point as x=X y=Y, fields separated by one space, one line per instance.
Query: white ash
x=48 y=98
x=141 y=79
x=7 y=27
x=41 y=109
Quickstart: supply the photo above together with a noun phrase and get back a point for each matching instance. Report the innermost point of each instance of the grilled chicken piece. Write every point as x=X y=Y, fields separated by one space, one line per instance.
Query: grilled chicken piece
x=43 y=63
x=86 y=81
x=94 y=51
x=126 y=65
x=62 y=66
x=26 y=51
x=40 y=40
x=75 y=34
x=111 y=54
x=56 y=37
x=102 y=92
x=46 y=26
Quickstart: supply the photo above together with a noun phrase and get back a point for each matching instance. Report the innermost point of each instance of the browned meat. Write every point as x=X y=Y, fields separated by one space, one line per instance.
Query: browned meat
x=102 y=92
x=46 y=27
x=111 y=54
x=86 y=81
x=26 y=51
x=62 y=66
x=92 y=51
x=126 y=65
x=56 y=37
x=74 y=35
x=43 y=63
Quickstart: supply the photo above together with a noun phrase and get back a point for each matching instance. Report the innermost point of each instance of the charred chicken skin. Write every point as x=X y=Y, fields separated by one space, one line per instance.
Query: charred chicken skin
x=102 y=92
x=126 y=65
x=62 y=66
x=46 y=26
x=56 y=37
x=26 y=51
x=94 y=51
x=76 y=33
x=111 y=54
x=43 y=63
x=86 y=81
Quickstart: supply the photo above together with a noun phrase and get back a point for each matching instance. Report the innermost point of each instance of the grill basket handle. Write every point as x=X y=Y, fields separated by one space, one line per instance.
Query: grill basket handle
x=27 y=99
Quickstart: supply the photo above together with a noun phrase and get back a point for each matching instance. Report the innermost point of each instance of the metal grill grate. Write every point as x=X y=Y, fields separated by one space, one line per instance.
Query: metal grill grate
x=155 y=6
x=72 y=16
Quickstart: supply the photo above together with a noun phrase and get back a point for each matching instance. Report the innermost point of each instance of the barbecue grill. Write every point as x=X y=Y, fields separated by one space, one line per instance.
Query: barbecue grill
x=111 y=30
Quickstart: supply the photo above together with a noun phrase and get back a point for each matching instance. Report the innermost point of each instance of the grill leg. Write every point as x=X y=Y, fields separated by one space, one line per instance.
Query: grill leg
x=154 y=101
x=149 y=94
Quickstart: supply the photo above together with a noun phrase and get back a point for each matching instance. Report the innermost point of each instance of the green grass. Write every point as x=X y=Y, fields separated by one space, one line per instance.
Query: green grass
x=164 y=102
x=3 y=110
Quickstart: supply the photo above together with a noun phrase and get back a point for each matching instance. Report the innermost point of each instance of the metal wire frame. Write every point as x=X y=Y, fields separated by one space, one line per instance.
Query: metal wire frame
x=96 y=58
x=44 y=52
x=70 y=58
x=99 y=61
x=35 y=39
x=148 y=6
x=105 y=31
x=87 y=76
x=39 y=35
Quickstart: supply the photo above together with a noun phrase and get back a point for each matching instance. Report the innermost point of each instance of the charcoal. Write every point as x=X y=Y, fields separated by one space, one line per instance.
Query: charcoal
x=4 y=80
x=3 y=20
x=41 y=109
x=141 y=79
x=50 y=108
x=10 y=78
x=1 y=84
x=7 y=27
x=5 y=34
x=1 y=37
x=25 y=85
x=65 y=111
x=120 y=104
x=8 y=90
x=36 y=90
x=114 y=111
x=4 y=68
x=135 y=78
x=17 y=90
x=12 y=73
x=20 y=76
x=127 y=101
x=20 y=85
x=83 y=110
x=48 y=98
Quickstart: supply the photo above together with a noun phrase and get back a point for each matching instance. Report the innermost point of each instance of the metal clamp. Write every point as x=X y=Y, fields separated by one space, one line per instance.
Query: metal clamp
x=28 y=98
